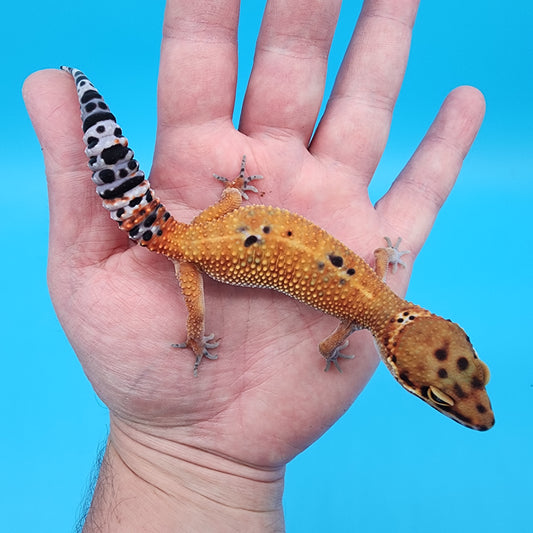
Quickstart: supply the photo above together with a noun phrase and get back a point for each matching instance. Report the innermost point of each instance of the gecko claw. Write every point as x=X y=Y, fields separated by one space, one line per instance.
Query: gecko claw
x=202 y=351
x=395 y=254
x=336 y=355
x=241 y=183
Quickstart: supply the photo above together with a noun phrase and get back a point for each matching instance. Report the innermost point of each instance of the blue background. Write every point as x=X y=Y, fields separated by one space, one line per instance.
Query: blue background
x=391 y=463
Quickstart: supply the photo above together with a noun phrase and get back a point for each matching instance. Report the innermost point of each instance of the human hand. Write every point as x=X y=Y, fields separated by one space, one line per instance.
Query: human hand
x=266 y=398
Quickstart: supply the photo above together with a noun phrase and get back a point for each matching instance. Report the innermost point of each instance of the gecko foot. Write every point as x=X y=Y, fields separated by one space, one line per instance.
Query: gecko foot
x=336 y=355
x=241 y=183
x=394 y=254
x=201 y=351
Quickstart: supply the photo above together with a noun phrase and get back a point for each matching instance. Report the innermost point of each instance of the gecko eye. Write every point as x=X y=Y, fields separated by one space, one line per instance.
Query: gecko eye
x=439 y=397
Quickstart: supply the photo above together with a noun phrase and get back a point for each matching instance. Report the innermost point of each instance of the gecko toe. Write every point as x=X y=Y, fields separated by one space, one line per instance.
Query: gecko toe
x=336 y=355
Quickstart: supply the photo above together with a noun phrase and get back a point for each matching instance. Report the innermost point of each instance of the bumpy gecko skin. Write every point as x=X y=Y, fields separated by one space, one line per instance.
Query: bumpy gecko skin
x=262 y=246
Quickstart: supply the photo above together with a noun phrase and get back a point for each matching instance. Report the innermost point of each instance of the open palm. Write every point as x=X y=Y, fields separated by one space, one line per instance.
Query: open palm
x=266 y=398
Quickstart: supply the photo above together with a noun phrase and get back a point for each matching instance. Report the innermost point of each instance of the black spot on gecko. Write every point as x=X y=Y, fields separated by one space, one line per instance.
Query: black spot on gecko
x=481 y=408
x=133 y=164
x=91 y=120
x=266 y=229
x=147 y=235
x=459 y=391
x=123 y=173
x=336 y=260
x=100 y=129
x=405 y=378
x=399 y=320
x=462 y=363
x=102 y=105
x=113 y=154
x=320 y=265
x=150 y=219
x=90 y=95
x=442 y=373
x=476 y=383
x=90 y=107
x=107 y=175
x=289 y=233
x=166 y=216
x=350 y=271
x=135 y=201
x=252 y=239
x=119 y=191
x=120 y=212
x=118 y=132
x=441 y=354
x=148 y=194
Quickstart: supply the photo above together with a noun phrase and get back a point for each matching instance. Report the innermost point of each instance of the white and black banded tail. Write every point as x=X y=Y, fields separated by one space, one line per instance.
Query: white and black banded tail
x=120 y=183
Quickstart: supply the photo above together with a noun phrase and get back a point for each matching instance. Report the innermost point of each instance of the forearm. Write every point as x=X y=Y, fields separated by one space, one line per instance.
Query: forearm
x=148 y=488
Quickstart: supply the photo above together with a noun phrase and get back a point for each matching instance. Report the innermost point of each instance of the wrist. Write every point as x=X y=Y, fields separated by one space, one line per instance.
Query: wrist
x=149 y=483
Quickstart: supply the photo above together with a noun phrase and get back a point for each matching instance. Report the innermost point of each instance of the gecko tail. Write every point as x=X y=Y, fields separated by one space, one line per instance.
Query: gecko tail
x=123 y=187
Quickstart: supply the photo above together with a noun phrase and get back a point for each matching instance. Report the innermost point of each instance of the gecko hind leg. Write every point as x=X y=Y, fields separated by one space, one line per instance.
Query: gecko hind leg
x=206 y=345
x=330 y=348
x=192 y=288
x=336 y=355
x=241 y=183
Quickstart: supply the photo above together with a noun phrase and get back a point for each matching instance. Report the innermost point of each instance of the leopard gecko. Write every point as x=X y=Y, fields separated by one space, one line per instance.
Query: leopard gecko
x=269 y=247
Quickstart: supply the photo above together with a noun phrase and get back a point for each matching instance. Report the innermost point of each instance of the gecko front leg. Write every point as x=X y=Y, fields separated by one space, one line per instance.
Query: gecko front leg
x=391 y=255
x=241 y=182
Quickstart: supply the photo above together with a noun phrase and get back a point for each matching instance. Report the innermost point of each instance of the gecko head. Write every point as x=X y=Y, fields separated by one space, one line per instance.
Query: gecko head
x=433 y=358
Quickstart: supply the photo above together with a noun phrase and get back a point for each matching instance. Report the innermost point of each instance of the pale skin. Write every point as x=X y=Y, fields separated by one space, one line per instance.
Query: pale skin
x=209 y=453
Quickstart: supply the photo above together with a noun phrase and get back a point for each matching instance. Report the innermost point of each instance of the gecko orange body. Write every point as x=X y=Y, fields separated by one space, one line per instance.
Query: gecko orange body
x=261 y=246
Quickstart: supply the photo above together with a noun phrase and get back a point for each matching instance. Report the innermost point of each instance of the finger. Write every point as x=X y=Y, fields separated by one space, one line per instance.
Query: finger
x=286 y=85
x=77 y=220
x=356 y=123
x=198 y=69
x=415 y=197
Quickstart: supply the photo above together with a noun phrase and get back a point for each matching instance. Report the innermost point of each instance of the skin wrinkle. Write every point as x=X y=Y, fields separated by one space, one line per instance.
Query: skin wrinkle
x=380 y=102
x=206 y=21
x=446 y=143
x=194 y=451
x=178 y=36
x=371 y=14
x=424 y=190
x=299 y=53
